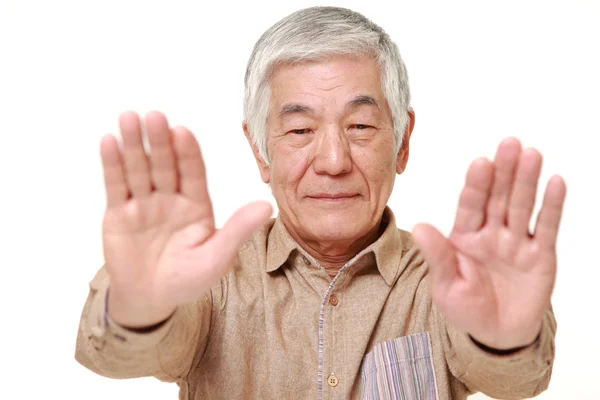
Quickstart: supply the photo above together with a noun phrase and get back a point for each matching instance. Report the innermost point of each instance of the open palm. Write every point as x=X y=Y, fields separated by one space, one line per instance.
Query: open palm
x=491 y=277
x=160 y=244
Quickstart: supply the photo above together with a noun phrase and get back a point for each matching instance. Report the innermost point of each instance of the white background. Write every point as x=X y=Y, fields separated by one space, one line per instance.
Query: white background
x=479 y=71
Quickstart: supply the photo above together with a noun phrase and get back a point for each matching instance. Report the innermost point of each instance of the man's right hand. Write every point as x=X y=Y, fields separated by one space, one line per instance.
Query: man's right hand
x=160 y=244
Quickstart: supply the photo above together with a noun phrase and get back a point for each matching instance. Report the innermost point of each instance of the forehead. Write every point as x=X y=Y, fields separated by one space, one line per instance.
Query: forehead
x=330 y=82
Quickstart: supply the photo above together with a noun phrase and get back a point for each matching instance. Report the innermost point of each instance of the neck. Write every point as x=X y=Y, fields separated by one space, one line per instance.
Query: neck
x=333 y=255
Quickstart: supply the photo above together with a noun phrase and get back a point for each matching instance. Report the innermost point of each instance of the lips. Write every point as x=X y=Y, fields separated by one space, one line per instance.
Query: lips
x=332 y=196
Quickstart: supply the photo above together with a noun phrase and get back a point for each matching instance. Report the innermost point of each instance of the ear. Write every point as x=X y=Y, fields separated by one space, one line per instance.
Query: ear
x=263 y=168
x=402 y=157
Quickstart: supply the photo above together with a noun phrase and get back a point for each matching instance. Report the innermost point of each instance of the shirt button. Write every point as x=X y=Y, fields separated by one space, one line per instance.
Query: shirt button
x=306 y=260
x=97 y=342
x=97 y=332
x=333 y=300
x=332 y=380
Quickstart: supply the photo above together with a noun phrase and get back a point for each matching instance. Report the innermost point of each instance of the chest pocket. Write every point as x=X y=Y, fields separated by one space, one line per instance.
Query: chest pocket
x=400 y=369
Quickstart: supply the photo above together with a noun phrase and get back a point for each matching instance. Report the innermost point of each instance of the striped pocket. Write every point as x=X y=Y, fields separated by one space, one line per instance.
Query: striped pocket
x=400 y=368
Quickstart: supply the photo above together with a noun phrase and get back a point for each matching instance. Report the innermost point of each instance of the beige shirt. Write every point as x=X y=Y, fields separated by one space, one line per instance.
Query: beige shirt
x=278 y=327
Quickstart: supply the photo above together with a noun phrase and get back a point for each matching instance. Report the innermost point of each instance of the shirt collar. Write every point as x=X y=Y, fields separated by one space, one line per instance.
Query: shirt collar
x=279 y=245
x=387 y=249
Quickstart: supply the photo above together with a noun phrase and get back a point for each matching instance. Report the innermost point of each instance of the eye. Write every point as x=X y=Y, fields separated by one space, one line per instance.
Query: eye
x=300 y=131
x=360 y=126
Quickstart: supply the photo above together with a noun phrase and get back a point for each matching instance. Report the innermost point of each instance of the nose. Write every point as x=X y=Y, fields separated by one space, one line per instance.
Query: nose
x=333 y=152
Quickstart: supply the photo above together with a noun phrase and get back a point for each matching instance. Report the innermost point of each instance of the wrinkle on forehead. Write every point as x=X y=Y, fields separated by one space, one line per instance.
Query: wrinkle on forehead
x=326 y=85
x=331 y=88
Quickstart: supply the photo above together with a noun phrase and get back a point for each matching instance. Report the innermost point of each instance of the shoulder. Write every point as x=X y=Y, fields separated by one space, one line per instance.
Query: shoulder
x=246 y=272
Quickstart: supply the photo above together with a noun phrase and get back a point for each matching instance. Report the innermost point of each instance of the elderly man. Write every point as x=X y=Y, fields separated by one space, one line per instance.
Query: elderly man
x=330 y=299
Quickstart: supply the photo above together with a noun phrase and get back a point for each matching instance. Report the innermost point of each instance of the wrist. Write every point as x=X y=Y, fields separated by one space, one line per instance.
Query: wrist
x=137 y=316
x=501 y=351
x=506 y=345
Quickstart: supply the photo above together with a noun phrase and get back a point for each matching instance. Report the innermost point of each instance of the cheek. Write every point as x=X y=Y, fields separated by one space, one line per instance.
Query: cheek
x=289 y=165
x=378 y=166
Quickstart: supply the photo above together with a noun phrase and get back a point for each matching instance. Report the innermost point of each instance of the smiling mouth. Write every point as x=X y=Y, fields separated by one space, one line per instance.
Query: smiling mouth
x=333 y=197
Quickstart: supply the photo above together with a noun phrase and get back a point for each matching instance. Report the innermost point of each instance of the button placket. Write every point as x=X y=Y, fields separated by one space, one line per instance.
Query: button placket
x=332 y=380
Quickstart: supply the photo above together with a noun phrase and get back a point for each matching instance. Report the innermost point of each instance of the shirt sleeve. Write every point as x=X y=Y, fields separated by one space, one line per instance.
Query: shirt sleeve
x=521 y=374
x=168 y=352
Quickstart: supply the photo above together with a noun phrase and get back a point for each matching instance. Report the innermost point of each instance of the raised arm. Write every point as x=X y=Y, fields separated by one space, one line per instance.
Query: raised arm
x=148 y=310
x=492 y=279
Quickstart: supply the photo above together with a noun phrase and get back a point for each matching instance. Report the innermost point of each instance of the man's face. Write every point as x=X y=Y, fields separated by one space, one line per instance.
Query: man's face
x=331 y=147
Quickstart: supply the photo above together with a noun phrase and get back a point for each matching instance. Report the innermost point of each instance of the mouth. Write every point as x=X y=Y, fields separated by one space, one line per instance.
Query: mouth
x=333 y=197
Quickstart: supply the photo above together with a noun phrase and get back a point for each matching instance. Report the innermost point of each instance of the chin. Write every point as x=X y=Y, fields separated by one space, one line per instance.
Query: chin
x=338 y=226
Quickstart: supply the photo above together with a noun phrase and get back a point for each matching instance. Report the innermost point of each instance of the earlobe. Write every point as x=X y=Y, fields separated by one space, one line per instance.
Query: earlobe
x=402 y=156
x=263 y=167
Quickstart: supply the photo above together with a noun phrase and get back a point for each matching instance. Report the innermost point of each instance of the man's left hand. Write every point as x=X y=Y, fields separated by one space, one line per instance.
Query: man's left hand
x=491 y=277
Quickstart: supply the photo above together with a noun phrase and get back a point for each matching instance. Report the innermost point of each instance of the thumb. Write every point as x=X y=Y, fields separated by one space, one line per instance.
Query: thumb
x=238 y=229
x=439 y=254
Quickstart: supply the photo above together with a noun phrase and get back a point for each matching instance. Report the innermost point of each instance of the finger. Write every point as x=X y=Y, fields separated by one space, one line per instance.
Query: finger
x=237 y=230
x=505 y=164
x=522 y=198
x=117 y=191
x=192 y=173
x=162 y=155
x=546 y=229
x=470 y=215
x=134 y=155
x=439 y=254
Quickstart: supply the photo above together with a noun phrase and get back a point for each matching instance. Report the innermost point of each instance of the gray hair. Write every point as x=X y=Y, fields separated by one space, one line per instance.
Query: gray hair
x=314 y=34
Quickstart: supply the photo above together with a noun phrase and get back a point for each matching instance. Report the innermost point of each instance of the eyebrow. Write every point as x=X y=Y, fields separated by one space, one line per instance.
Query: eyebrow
x=293 y=108
x=360 y=100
